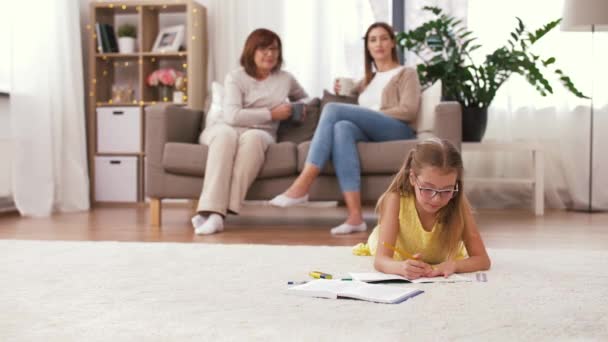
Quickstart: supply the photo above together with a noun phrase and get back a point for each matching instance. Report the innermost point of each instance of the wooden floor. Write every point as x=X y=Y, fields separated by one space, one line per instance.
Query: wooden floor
x=300 y=226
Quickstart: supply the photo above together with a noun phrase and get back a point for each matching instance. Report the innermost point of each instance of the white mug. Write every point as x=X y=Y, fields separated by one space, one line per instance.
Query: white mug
x=346 y=85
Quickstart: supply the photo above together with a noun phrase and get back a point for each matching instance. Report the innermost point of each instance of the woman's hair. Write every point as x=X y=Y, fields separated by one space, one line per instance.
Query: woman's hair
x=444 y=156
x=259 y=39
x=369 y=61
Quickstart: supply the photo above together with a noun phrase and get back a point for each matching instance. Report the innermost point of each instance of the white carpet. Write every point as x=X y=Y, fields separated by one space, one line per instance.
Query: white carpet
x=62 y=291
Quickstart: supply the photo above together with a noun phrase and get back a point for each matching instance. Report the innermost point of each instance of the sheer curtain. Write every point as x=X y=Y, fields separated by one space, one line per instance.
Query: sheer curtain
x=321 y=39
x=560 y=122
x=230 y=22
x=47 y=109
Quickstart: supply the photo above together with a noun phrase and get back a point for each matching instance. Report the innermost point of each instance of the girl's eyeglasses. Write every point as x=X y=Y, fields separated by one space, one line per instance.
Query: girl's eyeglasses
x=430 y=193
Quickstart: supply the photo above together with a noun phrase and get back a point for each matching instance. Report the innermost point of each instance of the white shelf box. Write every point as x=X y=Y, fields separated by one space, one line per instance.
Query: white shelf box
x=119 y=130
x=116 y=179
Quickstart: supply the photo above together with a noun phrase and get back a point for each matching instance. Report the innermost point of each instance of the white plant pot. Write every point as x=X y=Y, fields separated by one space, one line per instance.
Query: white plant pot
x=126 y=45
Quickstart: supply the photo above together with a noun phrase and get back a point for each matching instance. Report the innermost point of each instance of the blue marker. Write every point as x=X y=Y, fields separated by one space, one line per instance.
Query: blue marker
x=297 y=282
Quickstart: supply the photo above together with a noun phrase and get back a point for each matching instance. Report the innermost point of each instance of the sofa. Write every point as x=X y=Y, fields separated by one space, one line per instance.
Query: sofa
x=175 y=162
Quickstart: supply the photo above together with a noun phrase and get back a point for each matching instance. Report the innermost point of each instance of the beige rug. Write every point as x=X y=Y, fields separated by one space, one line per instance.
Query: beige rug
x=107 y=291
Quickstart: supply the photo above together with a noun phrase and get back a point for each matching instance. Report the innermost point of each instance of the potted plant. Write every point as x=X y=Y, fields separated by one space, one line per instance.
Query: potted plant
x=444 y=47
x=126 y=38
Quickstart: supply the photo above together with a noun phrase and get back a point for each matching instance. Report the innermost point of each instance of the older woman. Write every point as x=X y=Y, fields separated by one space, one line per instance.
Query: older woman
x=255 y=101
x=389 y=97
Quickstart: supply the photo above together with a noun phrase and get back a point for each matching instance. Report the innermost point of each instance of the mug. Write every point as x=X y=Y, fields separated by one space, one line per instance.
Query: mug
x=346 y=85
x=297 y=112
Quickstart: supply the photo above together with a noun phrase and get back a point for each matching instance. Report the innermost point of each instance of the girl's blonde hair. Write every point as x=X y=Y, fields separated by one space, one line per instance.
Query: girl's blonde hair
x=443 y=155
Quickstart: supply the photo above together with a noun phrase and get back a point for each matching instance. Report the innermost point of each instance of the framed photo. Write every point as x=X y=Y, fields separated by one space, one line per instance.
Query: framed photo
x=169 y=39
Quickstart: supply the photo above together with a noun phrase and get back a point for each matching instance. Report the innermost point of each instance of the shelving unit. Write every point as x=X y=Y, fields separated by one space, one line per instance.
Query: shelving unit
x=123 y=123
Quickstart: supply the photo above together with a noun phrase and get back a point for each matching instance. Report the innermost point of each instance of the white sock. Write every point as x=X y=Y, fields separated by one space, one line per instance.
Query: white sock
x=198 y=220
x=346 y=228
x=213 y=224
x=284 y=201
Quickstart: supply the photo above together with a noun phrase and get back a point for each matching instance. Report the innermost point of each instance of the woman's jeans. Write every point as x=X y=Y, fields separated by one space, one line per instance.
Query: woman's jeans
x=340 y=128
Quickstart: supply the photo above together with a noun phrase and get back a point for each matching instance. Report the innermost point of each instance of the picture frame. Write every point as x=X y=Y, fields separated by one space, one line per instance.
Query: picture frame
x=169 y=39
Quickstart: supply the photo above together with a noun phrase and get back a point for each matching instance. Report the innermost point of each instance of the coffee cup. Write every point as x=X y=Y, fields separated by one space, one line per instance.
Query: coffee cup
x=297 y=112
x=345 y=86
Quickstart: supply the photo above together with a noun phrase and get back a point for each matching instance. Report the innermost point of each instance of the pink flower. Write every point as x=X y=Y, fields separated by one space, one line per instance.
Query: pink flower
x=166 y=77
x=152 y=79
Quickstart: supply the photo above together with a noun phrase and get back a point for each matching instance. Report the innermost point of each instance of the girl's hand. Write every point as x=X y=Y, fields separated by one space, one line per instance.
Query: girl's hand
x=414 y=268
x=444 y=269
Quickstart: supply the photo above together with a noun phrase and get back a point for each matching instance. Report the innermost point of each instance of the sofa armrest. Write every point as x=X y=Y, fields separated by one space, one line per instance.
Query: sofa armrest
x=448 y=122
x=169 y=123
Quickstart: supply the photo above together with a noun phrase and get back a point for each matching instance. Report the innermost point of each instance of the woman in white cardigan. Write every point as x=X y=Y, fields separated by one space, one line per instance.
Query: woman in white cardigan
x=256 y=99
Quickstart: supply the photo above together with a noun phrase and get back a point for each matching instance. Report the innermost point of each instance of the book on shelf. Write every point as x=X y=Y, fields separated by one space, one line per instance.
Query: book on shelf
x=106 y=38
x=335 y=288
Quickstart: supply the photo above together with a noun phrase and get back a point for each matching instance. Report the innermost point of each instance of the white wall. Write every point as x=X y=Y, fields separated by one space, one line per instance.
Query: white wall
x=5 y=151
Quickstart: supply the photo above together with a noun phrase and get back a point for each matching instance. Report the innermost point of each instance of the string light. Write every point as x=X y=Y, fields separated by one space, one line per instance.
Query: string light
x=185 y=65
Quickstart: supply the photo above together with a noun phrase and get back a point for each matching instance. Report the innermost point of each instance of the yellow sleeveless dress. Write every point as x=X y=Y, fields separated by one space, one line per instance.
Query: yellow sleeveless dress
x=412 y=237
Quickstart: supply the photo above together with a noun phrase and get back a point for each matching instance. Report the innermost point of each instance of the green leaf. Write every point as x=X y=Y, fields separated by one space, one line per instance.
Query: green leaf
x=548 y=61
x=444 y=46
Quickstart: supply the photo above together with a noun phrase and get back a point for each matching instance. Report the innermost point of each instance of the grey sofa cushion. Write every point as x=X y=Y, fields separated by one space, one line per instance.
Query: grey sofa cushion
x=185 y=159
x=375 y=157
x=191 y=159
x=297 y=133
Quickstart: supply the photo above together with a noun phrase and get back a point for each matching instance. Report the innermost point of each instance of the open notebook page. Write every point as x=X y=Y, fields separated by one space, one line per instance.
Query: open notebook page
x=354 y=289
x=377 y=277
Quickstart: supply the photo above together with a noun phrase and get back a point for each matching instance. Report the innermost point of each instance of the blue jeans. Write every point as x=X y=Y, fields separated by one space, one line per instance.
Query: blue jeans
x=341 y=127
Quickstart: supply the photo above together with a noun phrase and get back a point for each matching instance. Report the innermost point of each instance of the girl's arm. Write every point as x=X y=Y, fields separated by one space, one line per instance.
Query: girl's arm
x=478 y=259
x=389 y=228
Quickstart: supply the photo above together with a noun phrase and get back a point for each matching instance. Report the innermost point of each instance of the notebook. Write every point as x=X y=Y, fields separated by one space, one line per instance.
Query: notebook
x=377 y=277
x=334 y=289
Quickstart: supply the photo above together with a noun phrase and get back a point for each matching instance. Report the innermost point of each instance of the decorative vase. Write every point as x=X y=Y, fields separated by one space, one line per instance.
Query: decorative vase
x=165 y=93
x=474 y=122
